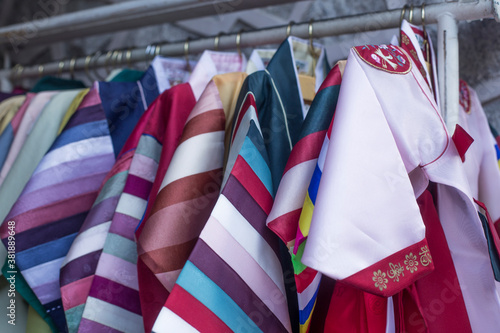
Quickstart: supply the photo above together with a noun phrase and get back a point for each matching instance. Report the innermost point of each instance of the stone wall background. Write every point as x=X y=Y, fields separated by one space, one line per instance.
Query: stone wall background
x=479 y=40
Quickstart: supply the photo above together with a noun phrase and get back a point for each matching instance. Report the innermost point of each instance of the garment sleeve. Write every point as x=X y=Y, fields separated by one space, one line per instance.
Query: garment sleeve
x=366 y=229
x=489 y=173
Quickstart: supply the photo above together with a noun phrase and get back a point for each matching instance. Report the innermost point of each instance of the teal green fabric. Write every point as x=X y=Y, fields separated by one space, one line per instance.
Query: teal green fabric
x=127 y=75
x=48 y=83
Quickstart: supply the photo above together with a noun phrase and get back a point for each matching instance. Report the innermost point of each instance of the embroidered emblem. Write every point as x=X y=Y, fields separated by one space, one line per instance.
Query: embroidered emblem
x=465 y=96
x=380 y=280
x=389 y=58
x=425 y=256
x=395 y=271
x=411 y=262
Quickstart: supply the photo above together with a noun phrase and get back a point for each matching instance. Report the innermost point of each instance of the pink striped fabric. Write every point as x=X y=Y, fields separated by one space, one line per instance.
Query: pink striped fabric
x=106 y=296
x=188 y=190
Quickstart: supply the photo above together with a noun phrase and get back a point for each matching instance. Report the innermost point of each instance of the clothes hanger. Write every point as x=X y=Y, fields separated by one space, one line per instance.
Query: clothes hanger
x=238 y=42
x=108 y=56
x=308 y=82
x=216 y=41
x=186 y=54
x=426 y=41
x=403 y=12
x=289 y=29
x=72 y=64
x=93 y=62
x=86 y=67
x=60 y=68
x=40 y=71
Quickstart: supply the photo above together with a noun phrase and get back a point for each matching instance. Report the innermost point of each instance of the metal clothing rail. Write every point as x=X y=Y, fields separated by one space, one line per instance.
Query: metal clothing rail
x=445 y=14
x=329 y=27
x=116 y=17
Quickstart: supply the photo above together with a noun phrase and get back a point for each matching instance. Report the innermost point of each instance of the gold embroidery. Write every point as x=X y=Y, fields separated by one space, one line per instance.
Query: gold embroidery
x=380 y=280
x=425 y=256
x=405 y=40
x=395 y=271
x=414 y=54
x=411 y=262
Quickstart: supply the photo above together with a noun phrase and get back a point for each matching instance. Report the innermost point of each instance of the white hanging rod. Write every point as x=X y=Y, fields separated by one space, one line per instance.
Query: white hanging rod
x=117 y=17
x=337 y=26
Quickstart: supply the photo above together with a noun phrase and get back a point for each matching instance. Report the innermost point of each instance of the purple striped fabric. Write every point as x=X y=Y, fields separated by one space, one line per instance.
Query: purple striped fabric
x=106 y=294
x=49 y=212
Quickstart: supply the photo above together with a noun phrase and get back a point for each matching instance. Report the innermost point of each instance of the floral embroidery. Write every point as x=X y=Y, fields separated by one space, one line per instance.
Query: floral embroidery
x=380 y=280
x=425 y=256
x=414 y=54
x=405 y=40
x=395 y=271
x=411 y=262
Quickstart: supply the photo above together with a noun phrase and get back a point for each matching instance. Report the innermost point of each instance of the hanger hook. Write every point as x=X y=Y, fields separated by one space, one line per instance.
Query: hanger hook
x=216 y=41
x=93 y=61
x=40 y=70
x=16 y=72
x=119 y=58
x=128 y=57
x=422 y=11
x=72 y=64
x=186 y=54
x=60 y=69
x=88 y=59
x=403 y=13
x=108 y=56
x=311 y=46
x=410 y=18
x=289 y=28
x=114 y=58
x=20 y=71
x=238 y=42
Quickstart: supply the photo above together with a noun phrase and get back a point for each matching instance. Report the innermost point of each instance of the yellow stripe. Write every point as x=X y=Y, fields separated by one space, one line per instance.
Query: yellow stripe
x=8 y=109
x=305 y=326
x=306 y=216
x=72 y=109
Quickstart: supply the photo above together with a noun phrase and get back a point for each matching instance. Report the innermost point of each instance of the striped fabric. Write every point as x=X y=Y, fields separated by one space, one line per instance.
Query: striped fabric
x=8 y=109
x=189 y=188
x=42 y=136
x=36 y=105
x=233 y=275
x=153 y=294
x=294 y=200
x=105 y=295
x=234 y=279
x=10 y=131
x=52 y=206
